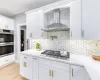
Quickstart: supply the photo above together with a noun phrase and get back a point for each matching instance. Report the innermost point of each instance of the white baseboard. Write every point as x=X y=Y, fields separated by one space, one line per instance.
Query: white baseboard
x=7 y=64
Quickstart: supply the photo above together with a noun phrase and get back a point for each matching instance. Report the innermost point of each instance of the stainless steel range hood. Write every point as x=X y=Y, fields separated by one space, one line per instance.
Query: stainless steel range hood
x=56 y=26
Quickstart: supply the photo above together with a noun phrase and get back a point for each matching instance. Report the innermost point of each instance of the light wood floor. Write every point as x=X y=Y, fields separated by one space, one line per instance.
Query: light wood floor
x=10 y=72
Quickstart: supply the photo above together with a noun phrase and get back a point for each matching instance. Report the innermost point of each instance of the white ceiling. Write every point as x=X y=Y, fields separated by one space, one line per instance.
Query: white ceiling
x=12 y=7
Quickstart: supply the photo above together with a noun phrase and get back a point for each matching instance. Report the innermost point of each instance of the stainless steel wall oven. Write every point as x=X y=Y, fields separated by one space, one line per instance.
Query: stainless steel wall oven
x=6 y=42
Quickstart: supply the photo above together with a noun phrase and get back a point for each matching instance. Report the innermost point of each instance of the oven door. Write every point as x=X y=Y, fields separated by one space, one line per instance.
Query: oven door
x=6 y=50
x=6 y=38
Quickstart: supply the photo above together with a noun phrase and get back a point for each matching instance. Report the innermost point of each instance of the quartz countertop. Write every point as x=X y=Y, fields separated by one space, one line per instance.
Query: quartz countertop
x=92 y=66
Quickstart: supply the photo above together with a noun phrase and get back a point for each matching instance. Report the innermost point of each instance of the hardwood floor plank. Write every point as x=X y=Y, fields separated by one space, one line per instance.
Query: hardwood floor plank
x=11 y=72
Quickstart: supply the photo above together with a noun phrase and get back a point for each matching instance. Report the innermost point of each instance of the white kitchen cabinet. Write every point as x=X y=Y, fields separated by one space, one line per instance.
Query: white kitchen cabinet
x=60 y=74
x=44 y=72
x=84 y=20
x=34 y=21
x=10 y=24
x=6 y=23
x=35 y=68
x=26 y=66
x=75 y=20
x=79 y=73
x=51 y=73
x=91 y=19
x=56 y=71
x=6 y=60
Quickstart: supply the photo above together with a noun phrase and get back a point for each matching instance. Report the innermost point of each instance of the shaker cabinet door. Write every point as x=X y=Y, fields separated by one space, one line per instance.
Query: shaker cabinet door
x=75 y=20
x=60 y=74
x=34 y=23
x=79 y=73
x=26 y=66
x=44 y=72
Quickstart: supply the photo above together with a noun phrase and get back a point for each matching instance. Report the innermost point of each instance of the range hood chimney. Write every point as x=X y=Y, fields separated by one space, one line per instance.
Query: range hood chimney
x=56 y=26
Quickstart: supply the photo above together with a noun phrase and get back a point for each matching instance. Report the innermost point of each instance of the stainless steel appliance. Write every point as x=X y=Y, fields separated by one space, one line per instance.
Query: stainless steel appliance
x=57 y=25
x=56 y=54
x=6 y=42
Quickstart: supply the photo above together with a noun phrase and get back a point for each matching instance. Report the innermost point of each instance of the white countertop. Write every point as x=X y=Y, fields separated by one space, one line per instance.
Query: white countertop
x=92 y=66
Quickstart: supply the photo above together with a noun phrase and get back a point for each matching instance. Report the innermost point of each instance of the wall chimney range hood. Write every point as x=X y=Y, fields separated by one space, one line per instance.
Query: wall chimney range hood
x=56 y=25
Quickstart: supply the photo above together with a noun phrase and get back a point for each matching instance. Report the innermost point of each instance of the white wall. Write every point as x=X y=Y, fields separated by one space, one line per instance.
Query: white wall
x=19 y=19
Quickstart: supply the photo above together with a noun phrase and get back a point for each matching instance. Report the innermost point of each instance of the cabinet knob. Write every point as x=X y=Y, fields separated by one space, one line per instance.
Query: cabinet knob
x=30 y=34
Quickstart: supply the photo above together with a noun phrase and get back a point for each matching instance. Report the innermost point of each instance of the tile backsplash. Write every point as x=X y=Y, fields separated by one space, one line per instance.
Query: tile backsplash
x=63 y=42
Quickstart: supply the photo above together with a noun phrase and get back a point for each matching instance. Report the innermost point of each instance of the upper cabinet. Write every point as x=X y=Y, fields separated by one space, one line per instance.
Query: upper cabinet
x=84 y=20
x=91 y=19
x=34 y=22
x=79 y=17
x=6 y=23
x=75 y=20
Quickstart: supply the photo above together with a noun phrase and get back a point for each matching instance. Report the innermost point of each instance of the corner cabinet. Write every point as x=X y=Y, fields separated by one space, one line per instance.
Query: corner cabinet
x=79 y=73
x=34 y=22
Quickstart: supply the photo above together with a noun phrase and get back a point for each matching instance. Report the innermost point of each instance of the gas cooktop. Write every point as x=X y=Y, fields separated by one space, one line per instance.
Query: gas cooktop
x=55 y=54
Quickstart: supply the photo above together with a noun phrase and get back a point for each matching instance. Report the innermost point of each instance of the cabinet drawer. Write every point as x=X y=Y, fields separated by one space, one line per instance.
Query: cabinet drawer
x=54 y=64
x=7 y=59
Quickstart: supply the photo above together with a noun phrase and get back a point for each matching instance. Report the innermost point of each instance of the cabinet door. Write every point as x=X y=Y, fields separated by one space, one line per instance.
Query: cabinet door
x=6 y=23
x=34 y=24
x=75 y=20
x=60 y=74
x=35 y=68
x=91 y=19
x=79 y=73
x=26 y=66
x=44 y=72
x=3 y=23
x=10 y=24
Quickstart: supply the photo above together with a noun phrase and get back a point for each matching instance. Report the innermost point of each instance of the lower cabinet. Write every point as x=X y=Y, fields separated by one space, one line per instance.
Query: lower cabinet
x=50 y=73
x=6 y=60
x=79 y=73
x=60 y=74
x=34 y=68
x=52 y=70
x=26 y=66
x=44 y=72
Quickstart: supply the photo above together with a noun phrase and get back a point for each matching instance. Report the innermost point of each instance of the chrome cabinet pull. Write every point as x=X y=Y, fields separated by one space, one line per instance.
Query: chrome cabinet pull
x=25 y=57
x=30 y=34
x=50 y=73
x=82 y=33
x=35 y=58
x=72 y=72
